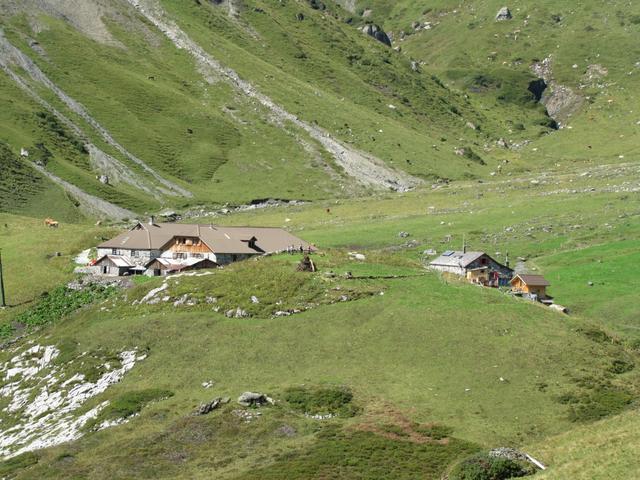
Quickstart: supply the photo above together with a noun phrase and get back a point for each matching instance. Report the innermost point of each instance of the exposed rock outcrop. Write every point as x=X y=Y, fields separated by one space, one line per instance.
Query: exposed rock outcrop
x=376 y=32
x=561 y=101
x=503 y=14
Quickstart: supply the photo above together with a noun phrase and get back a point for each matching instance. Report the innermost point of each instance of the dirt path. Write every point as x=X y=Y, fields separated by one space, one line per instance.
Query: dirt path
x=361 y=166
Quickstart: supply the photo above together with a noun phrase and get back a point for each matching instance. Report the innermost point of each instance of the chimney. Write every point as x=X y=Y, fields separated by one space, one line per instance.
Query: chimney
x=464 y=245
x=506 y=259
x=152 y=220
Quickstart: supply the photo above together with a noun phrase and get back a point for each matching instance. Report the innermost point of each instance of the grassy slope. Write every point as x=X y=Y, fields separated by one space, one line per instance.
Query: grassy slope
x=415 y=350
x=600 y=451
x=28 y=253
x=466 y=41
x=399 y=349
x=149 y=94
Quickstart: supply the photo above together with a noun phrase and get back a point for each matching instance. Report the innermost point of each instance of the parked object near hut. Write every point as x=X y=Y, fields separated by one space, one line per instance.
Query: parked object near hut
x=306 y=265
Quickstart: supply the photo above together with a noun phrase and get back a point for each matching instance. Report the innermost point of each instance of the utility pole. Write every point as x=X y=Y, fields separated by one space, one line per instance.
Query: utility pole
x=3 y=302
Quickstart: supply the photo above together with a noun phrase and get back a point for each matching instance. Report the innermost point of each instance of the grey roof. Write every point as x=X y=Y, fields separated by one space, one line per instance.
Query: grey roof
x=456 y=259
x=218 y=239
x=117 y=260
x=533 y=280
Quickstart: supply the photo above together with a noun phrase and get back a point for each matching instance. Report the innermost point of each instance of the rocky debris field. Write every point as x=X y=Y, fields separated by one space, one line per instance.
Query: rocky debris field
x=47 y=400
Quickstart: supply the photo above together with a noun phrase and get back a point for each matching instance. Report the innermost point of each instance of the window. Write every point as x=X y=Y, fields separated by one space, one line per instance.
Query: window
x=134 y=253
x=197 y=255
x=114 y=251
x=179 y=256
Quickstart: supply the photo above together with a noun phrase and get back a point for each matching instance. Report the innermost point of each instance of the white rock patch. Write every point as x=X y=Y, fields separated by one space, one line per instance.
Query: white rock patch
x=42 y=403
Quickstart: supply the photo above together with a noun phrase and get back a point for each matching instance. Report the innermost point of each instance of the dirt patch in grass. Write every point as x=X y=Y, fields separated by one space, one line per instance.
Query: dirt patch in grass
x=389 y=423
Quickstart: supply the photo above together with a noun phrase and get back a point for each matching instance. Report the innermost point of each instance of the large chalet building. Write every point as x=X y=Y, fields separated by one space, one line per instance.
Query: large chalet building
x=162 y=248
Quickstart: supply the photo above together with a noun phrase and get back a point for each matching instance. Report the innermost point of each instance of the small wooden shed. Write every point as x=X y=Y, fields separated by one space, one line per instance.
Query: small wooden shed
x=530 y=285
x=114 y=265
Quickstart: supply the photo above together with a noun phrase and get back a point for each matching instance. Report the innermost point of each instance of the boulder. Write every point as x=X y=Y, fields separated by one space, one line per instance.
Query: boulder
x=251 y=399
x=209 y=407
x=503 y=14
x=376 y=32
x=237 y=313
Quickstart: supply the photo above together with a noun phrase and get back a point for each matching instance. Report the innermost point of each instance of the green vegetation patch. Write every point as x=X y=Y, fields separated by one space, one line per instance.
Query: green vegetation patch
x=18 y=463
x=58 y=303
x=322 y=400
x=484 y=467
x=598 y=398
x=129 y=404
x=365 y=455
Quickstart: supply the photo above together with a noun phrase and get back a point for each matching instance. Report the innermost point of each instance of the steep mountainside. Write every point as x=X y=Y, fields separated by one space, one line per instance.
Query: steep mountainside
x=147 y=104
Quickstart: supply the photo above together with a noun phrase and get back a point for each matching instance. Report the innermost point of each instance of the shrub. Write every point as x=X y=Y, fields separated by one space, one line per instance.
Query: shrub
x=61 y=302
x=321 y=400
x=484 y=467
x=620 y=365
x=600 y=403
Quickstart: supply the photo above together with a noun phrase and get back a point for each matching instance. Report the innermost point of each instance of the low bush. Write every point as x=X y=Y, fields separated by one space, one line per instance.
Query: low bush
x=321 y=400
x=58 y=303
x=484 y=467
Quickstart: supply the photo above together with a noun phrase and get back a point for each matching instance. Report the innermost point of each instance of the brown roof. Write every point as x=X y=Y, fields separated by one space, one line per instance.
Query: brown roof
x=533 y=280
x=218 y=239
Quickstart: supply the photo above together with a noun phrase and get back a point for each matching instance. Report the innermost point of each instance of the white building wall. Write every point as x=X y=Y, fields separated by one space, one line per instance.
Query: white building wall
x=449 y=269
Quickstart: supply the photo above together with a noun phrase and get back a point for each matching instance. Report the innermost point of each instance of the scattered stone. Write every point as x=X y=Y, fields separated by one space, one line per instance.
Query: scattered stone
x=251 y=399
x=24 y=152
x=404 y=234
x=319 y=416
x=502 y=143
x=254 y=299
x=247 y=416
x=181 y=301
x=415 y=66
x=104 y=179
x=286 y=431
x=503 y=14
x=209 y=407
x=357 y=256
x=237 y=313
x=590 y=284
